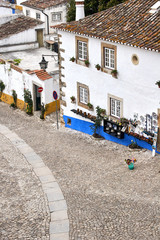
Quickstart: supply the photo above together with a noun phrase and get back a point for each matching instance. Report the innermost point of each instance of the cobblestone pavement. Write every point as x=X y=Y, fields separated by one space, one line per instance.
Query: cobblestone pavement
x=24 y=212
x=105 y=200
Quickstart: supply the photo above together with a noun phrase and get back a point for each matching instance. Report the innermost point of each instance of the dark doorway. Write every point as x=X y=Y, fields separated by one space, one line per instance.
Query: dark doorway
x=37 y=99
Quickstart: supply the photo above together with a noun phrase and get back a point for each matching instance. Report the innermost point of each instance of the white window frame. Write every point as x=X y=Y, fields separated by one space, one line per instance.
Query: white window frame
x=83 y=95
x=56 y=15
x=115 y=106
x=82 y=50
x=109 y=58
x=27 y=12
x=38 y=16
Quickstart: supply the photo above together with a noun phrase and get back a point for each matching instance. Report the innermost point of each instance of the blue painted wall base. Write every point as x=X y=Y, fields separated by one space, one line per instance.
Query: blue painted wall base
x=84 y=126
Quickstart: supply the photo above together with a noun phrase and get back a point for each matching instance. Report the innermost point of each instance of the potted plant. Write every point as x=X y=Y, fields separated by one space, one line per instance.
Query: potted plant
x=114 y=73
x=72 y=59
x=98 y=67
x=86 y=62
x=73 y=99
x=90 y=106
x=158 y=83
x=130 y=163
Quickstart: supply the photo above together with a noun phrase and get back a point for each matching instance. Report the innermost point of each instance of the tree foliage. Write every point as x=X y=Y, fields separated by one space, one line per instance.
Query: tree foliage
x=91 y=6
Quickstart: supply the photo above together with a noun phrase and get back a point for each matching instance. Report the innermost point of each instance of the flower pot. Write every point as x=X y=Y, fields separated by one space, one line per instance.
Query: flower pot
x=131 y=166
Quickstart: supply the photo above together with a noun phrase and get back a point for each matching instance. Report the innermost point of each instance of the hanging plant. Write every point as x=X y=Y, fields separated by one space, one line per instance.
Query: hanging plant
x=29 y=101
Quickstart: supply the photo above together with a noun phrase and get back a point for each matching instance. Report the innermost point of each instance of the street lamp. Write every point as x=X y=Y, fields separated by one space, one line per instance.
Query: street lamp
x=44 y=64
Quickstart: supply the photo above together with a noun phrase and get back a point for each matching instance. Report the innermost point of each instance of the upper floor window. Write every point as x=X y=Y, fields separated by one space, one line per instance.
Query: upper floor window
x=27 y=13
x=81 y=50
x=38 y=16
x=109 y=55
x=56 y=16
x=109 y=58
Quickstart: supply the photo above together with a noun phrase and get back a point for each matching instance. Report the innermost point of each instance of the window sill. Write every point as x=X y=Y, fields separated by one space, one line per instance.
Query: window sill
x=81 y=62
x=83 y=105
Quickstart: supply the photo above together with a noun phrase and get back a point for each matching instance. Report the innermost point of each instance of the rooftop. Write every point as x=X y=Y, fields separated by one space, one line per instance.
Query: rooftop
x=17 y=25
x=30 y=59
x=130 y=23
x=41 y=74
x=42 y=4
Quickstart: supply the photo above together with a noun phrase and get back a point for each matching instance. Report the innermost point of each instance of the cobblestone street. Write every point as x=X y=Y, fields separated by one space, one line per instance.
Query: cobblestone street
x=105 y=200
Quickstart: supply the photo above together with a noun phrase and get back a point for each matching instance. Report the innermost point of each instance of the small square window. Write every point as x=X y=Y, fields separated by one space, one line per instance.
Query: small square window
x=56 y=16
x=115 y=106
x=27 y=13
x=83 y=95
x=38 y=16
x=82 y=50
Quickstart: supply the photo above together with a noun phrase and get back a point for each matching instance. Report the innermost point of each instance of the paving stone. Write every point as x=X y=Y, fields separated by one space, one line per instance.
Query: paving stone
x=47 y=178
x=59 y=215
x=42 y=171
x=61 y=226
x=59 y=236
x=50 y=185
x=55 y=195
x=57 y=205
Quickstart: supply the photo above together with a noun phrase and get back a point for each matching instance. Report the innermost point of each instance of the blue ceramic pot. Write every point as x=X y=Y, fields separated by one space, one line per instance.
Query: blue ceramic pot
x=131 y=166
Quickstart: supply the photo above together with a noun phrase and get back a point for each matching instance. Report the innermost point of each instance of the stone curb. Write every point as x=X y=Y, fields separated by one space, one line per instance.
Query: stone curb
x=59 y=224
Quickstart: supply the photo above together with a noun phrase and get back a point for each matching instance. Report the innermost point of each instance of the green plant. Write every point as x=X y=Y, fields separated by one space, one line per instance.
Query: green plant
x=86 y=62
x=43 y=110
x=17 y=61
x=97 y=122
x=98 y=66
x=72 y=59
x=134 y=145
x=114 y=73
x=158 y=83
x=29 y=101
x=14 y=95
x=2 y=87
x=72 y=98
x=90 y=105
x=102 y=111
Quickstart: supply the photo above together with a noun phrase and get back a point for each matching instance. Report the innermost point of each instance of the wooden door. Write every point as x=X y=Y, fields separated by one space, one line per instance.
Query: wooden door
x=40 y=37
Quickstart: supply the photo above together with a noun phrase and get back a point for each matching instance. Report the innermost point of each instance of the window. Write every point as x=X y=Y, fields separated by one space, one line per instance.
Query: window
x=82 y=95
x=38 y=16
x=82 y=50
x=115 y=106
x=27 y=12
x=56 y=16
x=108 y=60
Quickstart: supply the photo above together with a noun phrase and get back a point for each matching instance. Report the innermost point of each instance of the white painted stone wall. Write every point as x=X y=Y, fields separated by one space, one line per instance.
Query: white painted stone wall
x=59 y=8
x=4 y=11
x=17 y=81
x=135 y=83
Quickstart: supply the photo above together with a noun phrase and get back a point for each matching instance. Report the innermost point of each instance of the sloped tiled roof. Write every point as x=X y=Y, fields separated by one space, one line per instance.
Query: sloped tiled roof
x=129 y=23
x=17 y=25
x=41 y=74
x=42 y=4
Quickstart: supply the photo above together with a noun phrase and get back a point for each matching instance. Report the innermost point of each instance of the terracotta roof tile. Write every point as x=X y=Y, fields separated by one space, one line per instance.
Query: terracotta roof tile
x=18 y=69
x=128 y=23
x=17 y=25
x=41 y=74
x=42 y=4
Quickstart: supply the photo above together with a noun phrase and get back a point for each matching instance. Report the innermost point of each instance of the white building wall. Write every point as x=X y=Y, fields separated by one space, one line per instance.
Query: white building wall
x=17 y=81
x=22 y=37
x=4 y=11
x=135 y=83
x=59 y=8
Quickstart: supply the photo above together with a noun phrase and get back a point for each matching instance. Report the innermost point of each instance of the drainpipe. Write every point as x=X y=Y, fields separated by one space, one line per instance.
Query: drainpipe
x=47 y=21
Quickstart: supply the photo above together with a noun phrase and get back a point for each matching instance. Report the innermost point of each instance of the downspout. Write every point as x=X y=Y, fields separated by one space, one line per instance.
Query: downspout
x=47 y=21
